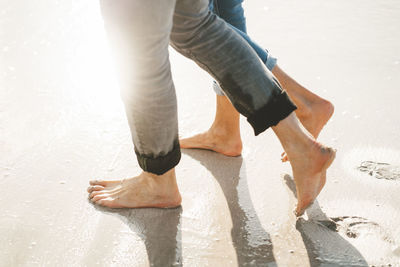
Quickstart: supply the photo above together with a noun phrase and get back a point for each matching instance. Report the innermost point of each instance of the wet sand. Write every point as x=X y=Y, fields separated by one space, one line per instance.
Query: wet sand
x=62 y=124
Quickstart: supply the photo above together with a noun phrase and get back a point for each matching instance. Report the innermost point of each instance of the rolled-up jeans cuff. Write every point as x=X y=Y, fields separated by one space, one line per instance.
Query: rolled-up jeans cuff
x=160 y=164
x=271 y=61
x=217 y=88
x=271 y=114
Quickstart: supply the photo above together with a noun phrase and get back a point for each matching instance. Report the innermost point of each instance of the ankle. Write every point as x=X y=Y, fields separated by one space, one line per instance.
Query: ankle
x=303 y=110
x=224 y=131
x=160 y=179
x=298 y=146
x=292 y=134
x=164 y=187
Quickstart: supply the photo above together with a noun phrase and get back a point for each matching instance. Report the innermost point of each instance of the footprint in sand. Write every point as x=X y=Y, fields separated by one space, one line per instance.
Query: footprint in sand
x=350 y=241
x=354 y=227
x=380 y=170
x=363 y=231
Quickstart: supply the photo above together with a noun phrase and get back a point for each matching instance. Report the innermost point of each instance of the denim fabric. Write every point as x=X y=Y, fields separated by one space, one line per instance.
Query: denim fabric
x=232 y=12
x=139 y=33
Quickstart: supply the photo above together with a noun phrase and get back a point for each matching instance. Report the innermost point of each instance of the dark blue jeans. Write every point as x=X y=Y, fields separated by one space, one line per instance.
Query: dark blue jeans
x=232 y=12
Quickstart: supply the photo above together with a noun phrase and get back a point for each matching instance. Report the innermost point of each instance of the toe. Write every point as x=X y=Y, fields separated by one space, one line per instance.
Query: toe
x=96 y=182
x=100 y=182
x=95 y=188
x=108 y=202
x=284 y=157
x=298 y=213
x=99 y=197
x=104 y=190
x=302 y=207
x=95 y=193
x=104 y=183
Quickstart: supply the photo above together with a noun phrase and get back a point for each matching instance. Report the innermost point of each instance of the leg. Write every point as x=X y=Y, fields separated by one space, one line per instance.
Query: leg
x=249 y=85
x=140 y=46
x=253 y=91
x=313 y=111
x=224 y=134
x=309 y=160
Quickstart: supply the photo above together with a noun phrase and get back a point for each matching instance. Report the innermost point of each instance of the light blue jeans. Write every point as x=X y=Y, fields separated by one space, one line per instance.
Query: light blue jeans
x=232 y=12
x=140 y=31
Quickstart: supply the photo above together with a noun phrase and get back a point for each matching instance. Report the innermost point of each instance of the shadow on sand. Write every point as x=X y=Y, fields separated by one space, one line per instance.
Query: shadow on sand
x=325 y=247
x=159 y=229
x=252 y=243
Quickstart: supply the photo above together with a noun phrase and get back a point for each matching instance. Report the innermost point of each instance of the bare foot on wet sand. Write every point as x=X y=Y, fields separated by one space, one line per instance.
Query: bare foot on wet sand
x=224 y=134
x=309 y=172
x=220 y=141
x=145 y=190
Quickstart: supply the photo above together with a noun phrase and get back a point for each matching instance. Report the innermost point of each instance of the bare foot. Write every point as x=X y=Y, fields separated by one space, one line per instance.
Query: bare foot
x=145 y=190
x=224 y=134
x=314 y=118
x=317 y=116
x=309 y=172
x=215 y=140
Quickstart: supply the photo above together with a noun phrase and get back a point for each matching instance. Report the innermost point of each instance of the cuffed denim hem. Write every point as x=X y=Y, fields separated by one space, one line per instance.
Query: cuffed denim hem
x=217 y=89
x=270 y=64
x=160 y=164
x=271 y=114
x=271 y=61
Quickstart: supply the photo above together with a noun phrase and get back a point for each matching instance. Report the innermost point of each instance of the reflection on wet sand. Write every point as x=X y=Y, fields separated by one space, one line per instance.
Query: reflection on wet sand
x=324 y=245
x=252 y=243
x=159 y=229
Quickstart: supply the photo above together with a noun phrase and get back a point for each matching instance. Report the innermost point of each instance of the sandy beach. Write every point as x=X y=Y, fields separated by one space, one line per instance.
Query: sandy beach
x=62 y=123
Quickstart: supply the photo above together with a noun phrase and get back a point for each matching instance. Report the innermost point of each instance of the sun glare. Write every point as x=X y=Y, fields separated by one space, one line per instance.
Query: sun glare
x=94 y=65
